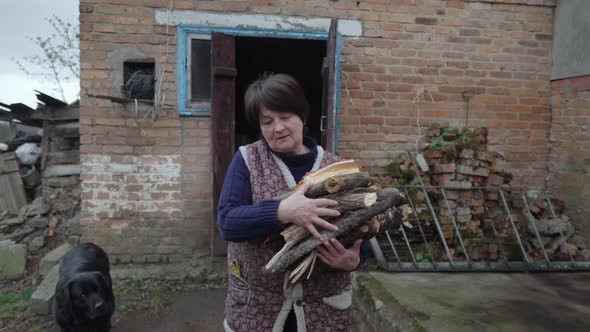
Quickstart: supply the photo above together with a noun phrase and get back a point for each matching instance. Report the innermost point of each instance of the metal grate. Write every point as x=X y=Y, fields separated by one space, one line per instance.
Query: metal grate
x=429 y=246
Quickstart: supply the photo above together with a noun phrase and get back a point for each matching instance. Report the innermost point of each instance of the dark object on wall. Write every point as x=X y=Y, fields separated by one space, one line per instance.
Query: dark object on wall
x=140 y=85
x=84 y=299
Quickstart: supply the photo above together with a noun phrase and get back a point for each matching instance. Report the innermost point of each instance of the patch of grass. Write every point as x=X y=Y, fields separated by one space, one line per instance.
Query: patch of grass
x=422 y=257
x=15 y=304
x=37 y=328
x=135 y=293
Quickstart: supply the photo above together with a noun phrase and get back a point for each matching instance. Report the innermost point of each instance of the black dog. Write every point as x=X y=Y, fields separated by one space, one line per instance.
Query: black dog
x=84 y=299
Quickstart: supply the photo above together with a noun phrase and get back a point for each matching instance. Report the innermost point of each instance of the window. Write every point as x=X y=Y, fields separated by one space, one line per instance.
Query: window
x=198 y=72
x=138 y=78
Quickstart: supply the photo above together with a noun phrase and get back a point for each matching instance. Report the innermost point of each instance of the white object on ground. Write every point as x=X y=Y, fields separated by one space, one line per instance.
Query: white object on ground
x=28 y=153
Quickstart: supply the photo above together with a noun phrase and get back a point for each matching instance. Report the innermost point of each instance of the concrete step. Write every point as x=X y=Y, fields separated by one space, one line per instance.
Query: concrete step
x=43 y=295
x=375 y=309
x=52 y=258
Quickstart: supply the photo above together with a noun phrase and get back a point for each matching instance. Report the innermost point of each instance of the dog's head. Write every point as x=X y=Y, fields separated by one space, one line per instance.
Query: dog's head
x=86 y=297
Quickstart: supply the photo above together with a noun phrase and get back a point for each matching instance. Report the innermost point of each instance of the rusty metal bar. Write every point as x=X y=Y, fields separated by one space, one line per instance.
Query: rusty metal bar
x=420 y=227
x=442 y=190
x=377 y=252
x=438 y=228
x=516 y=266
x=534 y=223
x=524 y=255
x=572 y=259
x=493 y=228
x=465 y=264
x=392 y=247
x=401 y=227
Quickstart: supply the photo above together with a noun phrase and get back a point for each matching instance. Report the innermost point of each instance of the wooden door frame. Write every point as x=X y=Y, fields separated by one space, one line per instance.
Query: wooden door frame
x=183 y=33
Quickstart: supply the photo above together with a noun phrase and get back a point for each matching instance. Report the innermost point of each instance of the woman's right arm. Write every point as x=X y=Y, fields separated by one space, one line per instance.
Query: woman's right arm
x=237 y=218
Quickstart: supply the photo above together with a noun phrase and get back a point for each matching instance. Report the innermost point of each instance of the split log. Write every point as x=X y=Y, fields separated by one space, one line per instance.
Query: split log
x=347 y=202
x=352 y=201
x=338 y=184
x=332 y=185
x=366 y=231
x=388 y=219
x=386 y=198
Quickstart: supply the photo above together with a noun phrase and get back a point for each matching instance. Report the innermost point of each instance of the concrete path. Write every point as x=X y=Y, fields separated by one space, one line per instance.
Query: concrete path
x=480 y=302
x=200 y=310
x=437 y=302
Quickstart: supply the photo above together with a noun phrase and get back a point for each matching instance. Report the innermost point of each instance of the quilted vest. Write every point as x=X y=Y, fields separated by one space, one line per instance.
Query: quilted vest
x=258 y=301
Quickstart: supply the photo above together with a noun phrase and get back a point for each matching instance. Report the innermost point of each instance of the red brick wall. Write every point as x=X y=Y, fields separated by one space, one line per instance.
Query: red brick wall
x=569 y=160
x=497 y=50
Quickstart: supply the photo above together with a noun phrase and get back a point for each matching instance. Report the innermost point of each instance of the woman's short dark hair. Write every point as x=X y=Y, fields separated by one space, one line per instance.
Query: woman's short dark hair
x=278 y=93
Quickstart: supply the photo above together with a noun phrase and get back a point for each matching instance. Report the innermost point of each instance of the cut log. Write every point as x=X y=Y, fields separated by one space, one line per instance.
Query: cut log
x=338 y=184
x=353 y=201
x=336 y=169
x=332 y=185
x=388 y=219
x=347 y=202
x=364 y=231
x=386 y=198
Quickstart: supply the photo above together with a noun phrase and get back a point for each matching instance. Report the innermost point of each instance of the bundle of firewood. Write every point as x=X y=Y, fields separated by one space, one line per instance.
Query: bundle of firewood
x=363 y=210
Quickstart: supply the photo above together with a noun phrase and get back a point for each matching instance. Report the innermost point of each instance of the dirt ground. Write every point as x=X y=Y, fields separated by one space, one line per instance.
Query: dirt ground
x=142 y=305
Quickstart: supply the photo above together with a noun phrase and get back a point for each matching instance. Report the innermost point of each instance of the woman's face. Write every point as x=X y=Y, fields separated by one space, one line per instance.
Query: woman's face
x=282 y=131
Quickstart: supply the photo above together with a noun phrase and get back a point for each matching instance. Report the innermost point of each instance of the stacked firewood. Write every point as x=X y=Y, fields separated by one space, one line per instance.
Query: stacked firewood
x=363 y=211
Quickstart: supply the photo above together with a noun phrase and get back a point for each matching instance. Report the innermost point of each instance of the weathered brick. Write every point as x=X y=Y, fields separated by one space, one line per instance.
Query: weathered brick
x=445 y=168
x=468 y=170
x=456 y=184
x=495 y=180
x=445 y=48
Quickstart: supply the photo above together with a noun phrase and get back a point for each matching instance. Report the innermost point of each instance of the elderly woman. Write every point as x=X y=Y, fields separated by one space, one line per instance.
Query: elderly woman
x=251 y=220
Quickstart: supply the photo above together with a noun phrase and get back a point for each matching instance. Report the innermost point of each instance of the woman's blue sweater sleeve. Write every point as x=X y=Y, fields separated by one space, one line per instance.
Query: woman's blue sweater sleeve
x=237 y=218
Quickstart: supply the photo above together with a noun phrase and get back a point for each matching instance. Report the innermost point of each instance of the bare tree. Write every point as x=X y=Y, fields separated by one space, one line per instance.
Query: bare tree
x=59 y=58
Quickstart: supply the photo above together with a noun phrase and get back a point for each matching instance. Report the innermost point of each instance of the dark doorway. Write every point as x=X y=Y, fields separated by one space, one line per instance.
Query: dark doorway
x=299 y=58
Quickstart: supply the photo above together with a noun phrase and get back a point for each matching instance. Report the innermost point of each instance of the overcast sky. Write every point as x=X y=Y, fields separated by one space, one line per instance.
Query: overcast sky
x=22 y=19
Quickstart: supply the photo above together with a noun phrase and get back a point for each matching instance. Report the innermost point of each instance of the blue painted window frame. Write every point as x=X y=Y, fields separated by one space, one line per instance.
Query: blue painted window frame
x=183 y=31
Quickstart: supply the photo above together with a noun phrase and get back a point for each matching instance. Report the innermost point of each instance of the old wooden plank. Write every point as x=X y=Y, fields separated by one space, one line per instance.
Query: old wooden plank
x=61 y=181
x=13 y=193
x=44 y=146
x=55 y=114
x=329 y=88
x=63 y=157
x=223 y=64
x=66 y=130
x=8 y=163
x=61 y=170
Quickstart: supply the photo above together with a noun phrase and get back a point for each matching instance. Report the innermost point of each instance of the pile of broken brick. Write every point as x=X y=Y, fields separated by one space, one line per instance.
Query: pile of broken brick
x=468 y=185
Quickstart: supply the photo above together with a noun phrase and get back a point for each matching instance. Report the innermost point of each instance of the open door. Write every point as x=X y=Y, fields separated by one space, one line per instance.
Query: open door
x=223 y=77
x=329 y=102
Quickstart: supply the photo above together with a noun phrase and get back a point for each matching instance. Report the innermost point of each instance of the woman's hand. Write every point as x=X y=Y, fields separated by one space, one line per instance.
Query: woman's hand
x=300 y=210
x=333 y=254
